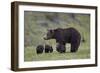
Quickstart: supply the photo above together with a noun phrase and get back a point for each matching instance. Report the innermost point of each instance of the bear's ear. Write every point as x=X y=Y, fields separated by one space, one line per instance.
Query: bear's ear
x=51 y=31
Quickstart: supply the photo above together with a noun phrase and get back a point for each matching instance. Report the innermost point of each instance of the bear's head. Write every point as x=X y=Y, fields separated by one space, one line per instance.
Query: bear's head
x=49 y=35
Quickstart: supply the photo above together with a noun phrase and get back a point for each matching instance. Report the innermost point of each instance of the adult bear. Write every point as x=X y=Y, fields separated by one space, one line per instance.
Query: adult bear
x=63 y=36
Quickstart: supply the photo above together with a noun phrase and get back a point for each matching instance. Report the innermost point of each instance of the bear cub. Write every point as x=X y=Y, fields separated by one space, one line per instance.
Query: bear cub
x=48 y=49
x=61 y=48
x=39 y=49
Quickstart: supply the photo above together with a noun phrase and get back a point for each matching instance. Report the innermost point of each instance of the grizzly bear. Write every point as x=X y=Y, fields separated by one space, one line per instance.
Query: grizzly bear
x=39 y=49
x=61 y=48
x=48 y=49
x=63 y=36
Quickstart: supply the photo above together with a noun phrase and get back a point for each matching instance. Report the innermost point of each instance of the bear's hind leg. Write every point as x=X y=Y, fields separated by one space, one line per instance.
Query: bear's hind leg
x=74 y=47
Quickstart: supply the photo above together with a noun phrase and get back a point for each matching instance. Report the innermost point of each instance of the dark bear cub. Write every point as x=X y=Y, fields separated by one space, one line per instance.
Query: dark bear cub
x=39 y=49
x=61 y=48
x=48 y=49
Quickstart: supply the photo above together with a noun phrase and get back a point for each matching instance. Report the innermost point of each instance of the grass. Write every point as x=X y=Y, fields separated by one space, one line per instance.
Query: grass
x=82 y=53
x=35 y=30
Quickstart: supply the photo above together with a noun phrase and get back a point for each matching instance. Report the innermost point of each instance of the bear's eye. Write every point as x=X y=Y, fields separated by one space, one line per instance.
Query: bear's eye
x=51 y=31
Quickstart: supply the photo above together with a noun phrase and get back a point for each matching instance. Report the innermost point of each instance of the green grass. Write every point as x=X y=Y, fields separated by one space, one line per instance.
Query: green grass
x=82 y=53
x=35 y=31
